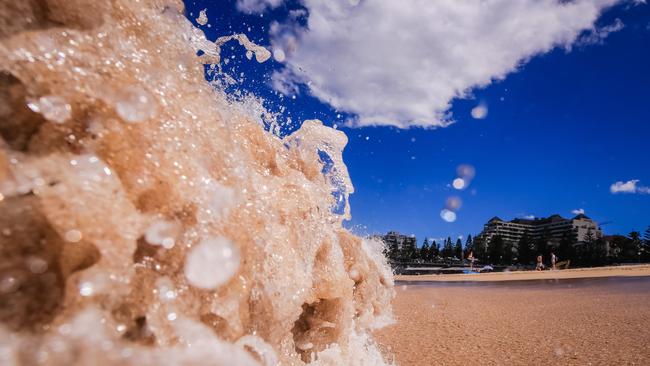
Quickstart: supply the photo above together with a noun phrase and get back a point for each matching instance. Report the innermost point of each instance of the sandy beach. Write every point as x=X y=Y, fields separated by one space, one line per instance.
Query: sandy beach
x=576 y=317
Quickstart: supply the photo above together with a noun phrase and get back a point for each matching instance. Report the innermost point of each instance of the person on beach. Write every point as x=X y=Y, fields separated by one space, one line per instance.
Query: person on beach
x=553 y=261
x=470 y=258
x=540 y=263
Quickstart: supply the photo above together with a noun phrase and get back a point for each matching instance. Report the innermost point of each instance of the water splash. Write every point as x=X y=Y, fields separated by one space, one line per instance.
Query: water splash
x=260 y=269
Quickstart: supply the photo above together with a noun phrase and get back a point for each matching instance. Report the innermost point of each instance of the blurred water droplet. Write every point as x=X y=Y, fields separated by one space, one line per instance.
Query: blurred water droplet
x=36 y=265
x=447 y=215
x=52 y=107
x=480 y=111
x=458 y=183
x=134 y=104
x=73 y=236
x=212 y=263
x=454 y=203
x=86 y=289
x=466 y=171
x=162 y=232
x=278 y=55
x=9 y=284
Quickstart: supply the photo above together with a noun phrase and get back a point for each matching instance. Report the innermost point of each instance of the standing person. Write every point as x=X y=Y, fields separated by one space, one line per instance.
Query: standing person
x=540 y=263
x=553 y=261
x=470 y=258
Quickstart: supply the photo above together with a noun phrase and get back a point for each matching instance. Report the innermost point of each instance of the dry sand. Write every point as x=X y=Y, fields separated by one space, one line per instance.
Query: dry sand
x=598 y=321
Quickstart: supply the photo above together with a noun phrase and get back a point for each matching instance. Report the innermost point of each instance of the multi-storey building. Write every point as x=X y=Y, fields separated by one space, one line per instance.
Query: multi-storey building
x=396 y=240
x=554 y=227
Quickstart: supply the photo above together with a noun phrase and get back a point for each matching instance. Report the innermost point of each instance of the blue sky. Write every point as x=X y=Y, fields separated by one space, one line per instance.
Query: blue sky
x=561 y=128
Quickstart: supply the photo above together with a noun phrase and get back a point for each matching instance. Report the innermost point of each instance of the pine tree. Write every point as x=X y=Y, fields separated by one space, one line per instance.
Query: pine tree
x=541 y=244
x=424 y=251
x=524 y=250
x=409 y=250
x=447 y=248
x=469 y=245
x=458 y=249
x=434 y=250
x=480 y=249
x=495 y=249
x=393 y=250
x=635 y=238
x=508 y=253
x=645 y=253
x=566 y=249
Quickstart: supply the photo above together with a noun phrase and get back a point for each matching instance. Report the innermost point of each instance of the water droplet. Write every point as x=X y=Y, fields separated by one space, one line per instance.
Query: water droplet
x=278 y=55
x=36 y=265
x=86 y=289
x=447 y=215
x=466 y=171
x=480 y=111
x=212 y=263
x=162 y=232
x=203 y=17
x=52 y=107
x=453 y=203
x=459 y=183
x=73 y=236
x=135 y=104
x=264 y=351
x=8 y=284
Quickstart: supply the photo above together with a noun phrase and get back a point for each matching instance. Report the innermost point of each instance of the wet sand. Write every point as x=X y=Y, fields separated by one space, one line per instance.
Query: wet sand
x=597 y=321
x=617 y=271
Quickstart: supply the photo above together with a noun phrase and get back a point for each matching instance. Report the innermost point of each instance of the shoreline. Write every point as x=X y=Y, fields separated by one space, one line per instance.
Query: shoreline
x=639 y=270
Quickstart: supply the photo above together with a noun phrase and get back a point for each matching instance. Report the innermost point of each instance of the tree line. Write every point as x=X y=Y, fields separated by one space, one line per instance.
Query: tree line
x=430 y=250
x=593 y=251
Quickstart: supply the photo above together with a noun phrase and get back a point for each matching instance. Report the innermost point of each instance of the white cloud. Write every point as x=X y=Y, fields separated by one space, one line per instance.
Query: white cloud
x=257 y=6
x=598 y=35
x=401 y=63
x=578 y=211
x=629 y=187
x=528 y=217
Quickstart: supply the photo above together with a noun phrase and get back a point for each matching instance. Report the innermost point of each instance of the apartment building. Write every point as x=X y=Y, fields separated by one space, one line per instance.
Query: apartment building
x=555 y=227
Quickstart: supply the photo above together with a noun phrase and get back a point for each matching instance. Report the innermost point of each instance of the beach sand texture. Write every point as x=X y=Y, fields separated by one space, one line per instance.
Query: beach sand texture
x=601 y=321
